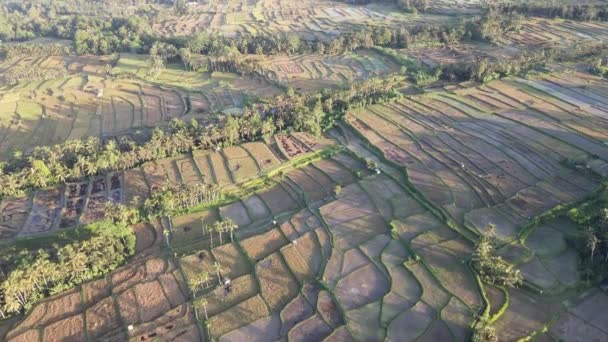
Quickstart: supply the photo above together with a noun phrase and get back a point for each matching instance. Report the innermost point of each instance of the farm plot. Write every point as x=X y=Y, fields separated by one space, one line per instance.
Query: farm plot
x=539 y=31
x=482 y=168
x=549 y=261
x=365 y=268
x=51 y=112
x=584 y=318
x=241 y=163
x=144 y=300
x=310 y=19
x=298 y=144
x=45 y=213
x=313 y=72
x=205 y=91
x=59 y=208
x=417 y=300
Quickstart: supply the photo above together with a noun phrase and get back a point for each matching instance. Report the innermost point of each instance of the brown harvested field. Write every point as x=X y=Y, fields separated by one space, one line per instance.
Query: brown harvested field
x=219 y=300
x=221 y=172
x=484 y=168
x=189 y=228
x=188 y=172
x=101 y=318
x=71 y=328
x=237 y=213
x=291 y=147
x=233 y=262
x=262 y=154
x=525 y=315
x=262 y=245
x=237 y=316
x=278 y=200
x=170 y=170
x=303 y=256
x=242 y=169
x=106 y=306
x=256 y=208
x=277 y=286
x=151 y=300
x=203 y=163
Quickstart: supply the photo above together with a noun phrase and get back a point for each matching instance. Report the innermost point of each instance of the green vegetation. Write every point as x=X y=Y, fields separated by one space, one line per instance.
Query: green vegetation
x=397 y=207
x=491 y=268
x=169 y=202
x=592 y=219
x=29 y=274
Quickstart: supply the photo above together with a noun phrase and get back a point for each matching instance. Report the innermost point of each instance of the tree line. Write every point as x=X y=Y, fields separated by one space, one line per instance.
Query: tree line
x=176 y=200
x=28 y=275
x=572 y=11
x=107 y=32
x=489 y=68
x=77 y=159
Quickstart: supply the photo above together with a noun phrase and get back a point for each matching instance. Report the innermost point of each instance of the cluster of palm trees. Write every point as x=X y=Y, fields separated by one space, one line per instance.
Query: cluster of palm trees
x=572 y=11
x=35 y=274
x=172 y=201
x=220 y=227
x=204 y=280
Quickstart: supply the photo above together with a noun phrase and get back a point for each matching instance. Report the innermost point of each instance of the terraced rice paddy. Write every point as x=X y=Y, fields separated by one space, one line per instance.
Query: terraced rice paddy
x=146 y=299
x=310 y=19
x=494 y=154
x=50 y=112
x=313 y=72
x=365 y=268
x=74 y=204
x=88 y=104
x=538 y=31
x=375 y=258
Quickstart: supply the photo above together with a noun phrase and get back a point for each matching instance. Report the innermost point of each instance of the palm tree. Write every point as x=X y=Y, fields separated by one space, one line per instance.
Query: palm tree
x=203 y=303
x=218 y=270
x=231 y=227
x=219 y=227
x=205 y=278
x=591 y=241
x=210 y=234
x=193 y=283
x=166 y=233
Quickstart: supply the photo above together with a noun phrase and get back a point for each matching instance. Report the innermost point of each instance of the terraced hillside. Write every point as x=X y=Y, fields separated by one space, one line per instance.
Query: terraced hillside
x=48 y=112
x=282 y=247
x=76 y=203
x=313 y=72
x=309 y=19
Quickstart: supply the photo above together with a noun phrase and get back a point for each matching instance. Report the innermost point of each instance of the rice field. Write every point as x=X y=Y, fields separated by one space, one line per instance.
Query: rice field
x=313 y=72
x=310 y=19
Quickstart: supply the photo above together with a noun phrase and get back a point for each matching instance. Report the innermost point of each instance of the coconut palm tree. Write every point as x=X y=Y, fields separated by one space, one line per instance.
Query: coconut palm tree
x=210 y=230
x=591 y=241
x=205 y=278
x=219 y=228
x=218 y=270
x=231 y=227
x=203 y=303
